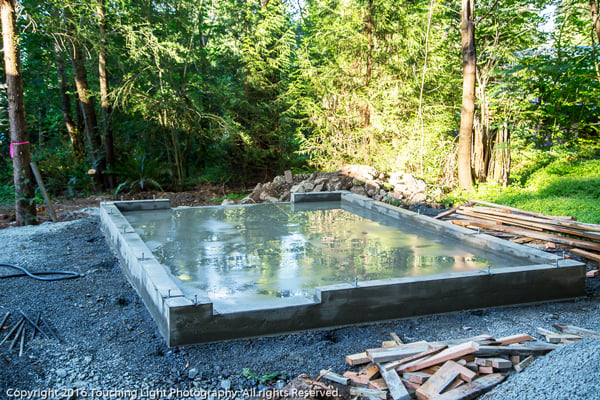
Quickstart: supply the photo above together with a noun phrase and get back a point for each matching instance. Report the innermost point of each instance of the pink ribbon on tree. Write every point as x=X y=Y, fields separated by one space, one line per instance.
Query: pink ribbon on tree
x=12 y=146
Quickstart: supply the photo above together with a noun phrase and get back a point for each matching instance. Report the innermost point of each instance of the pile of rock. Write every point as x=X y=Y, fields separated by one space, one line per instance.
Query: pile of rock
x=363 y=180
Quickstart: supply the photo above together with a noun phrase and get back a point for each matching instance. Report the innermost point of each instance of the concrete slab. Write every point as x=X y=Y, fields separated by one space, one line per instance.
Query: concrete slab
x=185 y=320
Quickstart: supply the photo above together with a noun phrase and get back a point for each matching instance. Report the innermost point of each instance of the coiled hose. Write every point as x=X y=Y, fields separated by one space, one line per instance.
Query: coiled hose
x=40 y=275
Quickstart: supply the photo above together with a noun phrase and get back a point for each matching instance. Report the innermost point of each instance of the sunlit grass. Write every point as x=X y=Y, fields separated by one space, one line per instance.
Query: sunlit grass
x=567 y=185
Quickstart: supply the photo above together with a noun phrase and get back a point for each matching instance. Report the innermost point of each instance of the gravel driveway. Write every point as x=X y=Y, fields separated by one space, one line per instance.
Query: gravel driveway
x=110 y=348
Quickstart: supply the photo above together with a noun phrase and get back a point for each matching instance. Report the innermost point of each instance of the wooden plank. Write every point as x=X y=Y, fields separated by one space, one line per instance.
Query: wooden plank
x=521 y=337
x=473 y=389
x=495 y=362
x=388 y=343
x=518 y=210
x=378 y=384
x=524 y=364
x=575 y=330
x=40 y=182
x=592 y=274
x=357 y=359
x=363 y=376
x=411 y=386
x=430 y=352
x=394 y=384
x=531 y=225
x=394 y=353
x=396 y=338
x=332 y=376
x=561 y=223
x=555 y=337
x=538 y=235
x=484 y=369
x=520 y=350
x=586 y=254
x=416 y=377
x=447 y=354
x=451 y=211
x=358 y=391
x=438 y=381
x=480 y=339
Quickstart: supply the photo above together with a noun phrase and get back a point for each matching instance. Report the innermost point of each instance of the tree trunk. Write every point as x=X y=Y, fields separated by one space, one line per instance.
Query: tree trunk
x=19 y=146
x=109 y=152
x=595 y=20
x=86 y=102
x=368 y=27
x=465 y=139
x=65 y=101
x=500 y=162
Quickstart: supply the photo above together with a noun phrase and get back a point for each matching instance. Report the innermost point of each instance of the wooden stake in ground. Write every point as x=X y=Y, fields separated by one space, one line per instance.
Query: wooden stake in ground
x=40 y=182
x=19 y=140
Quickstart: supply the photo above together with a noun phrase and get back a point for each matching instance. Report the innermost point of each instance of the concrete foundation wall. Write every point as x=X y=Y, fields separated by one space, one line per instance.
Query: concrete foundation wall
x=185 y=321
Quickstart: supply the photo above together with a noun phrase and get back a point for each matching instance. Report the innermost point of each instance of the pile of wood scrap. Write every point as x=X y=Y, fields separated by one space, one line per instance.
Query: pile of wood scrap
x=521 y=226
x=445 y=370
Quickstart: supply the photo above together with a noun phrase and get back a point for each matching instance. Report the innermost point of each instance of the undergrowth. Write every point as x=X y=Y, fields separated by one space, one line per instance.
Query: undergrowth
x=563 y=181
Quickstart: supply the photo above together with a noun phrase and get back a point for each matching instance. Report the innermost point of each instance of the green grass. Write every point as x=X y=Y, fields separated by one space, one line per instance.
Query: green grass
x=567 y=183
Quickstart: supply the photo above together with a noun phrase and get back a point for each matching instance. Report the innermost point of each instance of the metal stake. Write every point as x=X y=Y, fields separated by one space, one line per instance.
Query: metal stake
x=4 y=319
x=35 y=325
x=14 y=328
x=17 y=335
x=22 y=345
x=49 y=330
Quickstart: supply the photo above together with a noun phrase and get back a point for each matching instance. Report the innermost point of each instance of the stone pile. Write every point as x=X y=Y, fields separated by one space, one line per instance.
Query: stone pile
x=403 y=188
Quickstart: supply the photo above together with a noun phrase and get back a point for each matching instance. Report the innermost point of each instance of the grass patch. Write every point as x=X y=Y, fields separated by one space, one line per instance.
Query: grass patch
x=568 y=183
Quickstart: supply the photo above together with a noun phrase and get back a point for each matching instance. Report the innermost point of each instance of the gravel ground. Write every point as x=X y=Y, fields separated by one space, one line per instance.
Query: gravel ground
x=110 y=343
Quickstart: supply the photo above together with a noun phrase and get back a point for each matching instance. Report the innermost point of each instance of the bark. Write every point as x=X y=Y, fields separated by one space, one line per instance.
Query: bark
x=465 y=139
x=65 y=101
x=595 y=20
x=368 y=27
x=23 y=176
x=109 y=152
x=86 y=102
x=500 y=162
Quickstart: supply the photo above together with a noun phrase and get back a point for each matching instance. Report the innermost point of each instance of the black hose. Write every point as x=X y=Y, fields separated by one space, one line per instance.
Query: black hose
x=40 y=275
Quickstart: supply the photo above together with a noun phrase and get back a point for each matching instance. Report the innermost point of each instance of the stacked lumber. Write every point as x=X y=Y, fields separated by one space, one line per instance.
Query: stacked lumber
x=521 y=226
x=446 y=370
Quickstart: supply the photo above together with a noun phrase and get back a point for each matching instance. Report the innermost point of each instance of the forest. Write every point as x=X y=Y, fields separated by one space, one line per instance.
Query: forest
x=494 y=97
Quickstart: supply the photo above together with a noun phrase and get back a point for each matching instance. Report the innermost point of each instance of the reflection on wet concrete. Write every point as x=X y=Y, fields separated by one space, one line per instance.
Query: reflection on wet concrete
x=270 y=254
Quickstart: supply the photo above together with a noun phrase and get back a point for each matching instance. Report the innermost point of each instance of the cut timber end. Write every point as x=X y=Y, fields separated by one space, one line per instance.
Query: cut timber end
x=473 y=389
x=593 y=273
x=357 y=359
x=524 y=364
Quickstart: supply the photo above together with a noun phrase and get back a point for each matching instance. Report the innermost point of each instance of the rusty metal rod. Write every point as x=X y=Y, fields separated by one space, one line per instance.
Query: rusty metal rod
x=34 y=325
x=50 y=330
x=4 y=319
x=11 y=331
x=17 y=335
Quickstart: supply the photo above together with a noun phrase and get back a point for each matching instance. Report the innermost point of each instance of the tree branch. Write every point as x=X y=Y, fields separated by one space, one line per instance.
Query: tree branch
x=487 y=13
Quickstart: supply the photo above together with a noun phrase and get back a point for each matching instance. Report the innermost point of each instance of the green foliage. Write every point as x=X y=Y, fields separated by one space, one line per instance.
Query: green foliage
x=565 y=181
x=230 y=196
x=266 y=378
x=141 y=173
